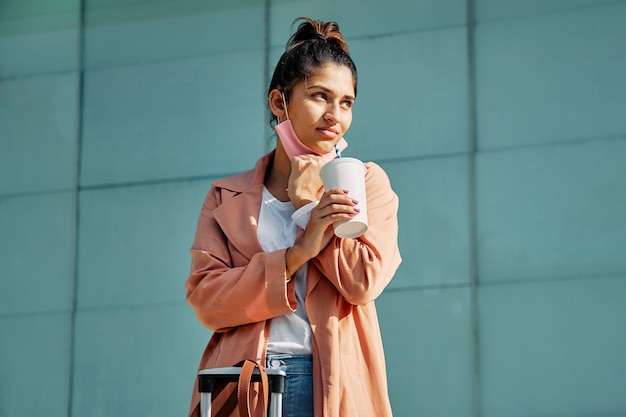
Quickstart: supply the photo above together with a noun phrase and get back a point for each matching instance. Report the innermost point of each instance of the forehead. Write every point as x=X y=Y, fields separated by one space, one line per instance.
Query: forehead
x=335 y=78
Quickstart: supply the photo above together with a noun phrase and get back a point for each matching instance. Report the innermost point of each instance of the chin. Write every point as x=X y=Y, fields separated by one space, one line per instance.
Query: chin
x=327 y=146
x=325 y=151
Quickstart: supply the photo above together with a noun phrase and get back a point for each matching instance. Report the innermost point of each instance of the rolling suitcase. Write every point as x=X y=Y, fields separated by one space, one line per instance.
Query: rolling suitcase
x=245 y=374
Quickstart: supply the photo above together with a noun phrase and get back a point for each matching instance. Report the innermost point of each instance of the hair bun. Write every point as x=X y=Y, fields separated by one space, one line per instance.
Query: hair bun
x=317 y=30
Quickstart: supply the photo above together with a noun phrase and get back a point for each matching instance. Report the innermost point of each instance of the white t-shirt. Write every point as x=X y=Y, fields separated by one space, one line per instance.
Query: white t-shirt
x=277 y=229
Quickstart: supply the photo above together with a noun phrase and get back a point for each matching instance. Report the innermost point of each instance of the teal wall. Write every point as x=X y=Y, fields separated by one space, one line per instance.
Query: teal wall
x=505 y=139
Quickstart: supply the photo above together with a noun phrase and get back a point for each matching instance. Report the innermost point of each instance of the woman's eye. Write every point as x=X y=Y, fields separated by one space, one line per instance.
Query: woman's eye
x=348 y=103
x=319 y=95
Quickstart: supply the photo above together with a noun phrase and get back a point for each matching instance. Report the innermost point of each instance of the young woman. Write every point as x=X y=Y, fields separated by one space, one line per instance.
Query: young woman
x=269 y=276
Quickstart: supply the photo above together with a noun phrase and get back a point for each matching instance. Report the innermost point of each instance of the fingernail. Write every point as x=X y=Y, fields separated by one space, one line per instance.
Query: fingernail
x=346 y=191
x=354 y=201
x=357 y=209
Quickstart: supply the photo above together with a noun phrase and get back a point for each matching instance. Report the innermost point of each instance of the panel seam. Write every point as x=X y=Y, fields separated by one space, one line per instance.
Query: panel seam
x=474 y=273
x=73 y=296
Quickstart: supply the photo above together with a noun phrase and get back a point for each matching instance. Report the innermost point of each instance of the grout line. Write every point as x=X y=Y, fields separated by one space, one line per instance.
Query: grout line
x=407 y=32
x=613 y=275
x=267 y=130
x=76 y=208
x=556 y=11
x=38 y=193
x=136 y=307
x=554 y=279
x=209 y=177
x=26 y=76
x=130 y=64
x=155 y=182
x=95 y=309
x=428 y=287
x=473 y=234
x=553 y=144
x=421 y=157
x=25 y=314
x=125 y=64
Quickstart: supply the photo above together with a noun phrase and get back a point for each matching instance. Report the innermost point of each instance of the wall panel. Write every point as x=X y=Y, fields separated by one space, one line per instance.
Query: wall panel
x=136 y=243
x=38 y=37
x=412 y=97
x=38 y=117
x=36 y=253
x=174 y=119
x=34 y=365
x=554 y=348
x=551 y=78
x=136 y=362
x=427 y=338
x=123 y=33
x=434 y=221
x=552 y=212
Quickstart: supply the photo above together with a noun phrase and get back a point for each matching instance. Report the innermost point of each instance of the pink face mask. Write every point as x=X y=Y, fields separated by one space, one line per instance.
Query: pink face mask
x=293 y=146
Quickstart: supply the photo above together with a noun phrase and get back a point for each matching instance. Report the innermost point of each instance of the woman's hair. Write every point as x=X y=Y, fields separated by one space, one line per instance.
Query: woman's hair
x=312 y=46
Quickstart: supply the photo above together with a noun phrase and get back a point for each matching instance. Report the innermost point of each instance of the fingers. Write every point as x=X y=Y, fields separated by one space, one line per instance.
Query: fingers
x=306 y=161
x=339 y=195
x=336 y=204
x=309 y=157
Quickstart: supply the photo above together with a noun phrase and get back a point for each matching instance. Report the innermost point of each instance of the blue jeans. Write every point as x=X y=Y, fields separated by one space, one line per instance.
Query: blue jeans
x=298 y=395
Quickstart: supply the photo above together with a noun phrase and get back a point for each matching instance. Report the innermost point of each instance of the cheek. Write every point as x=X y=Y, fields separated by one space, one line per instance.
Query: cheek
x=347 y=122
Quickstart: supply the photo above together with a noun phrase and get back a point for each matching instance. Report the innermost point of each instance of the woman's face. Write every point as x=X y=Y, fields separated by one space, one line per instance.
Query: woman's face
x=320 y=107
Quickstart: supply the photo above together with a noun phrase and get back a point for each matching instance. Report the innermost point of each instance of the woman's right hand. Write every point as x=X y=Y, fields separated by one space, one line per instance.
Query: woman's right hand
x=305 y=184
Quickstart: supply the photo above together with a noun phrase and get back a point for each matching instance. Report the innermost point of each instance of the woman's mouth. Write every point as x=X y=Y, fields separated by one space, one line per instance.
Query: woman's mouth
x=328 y=132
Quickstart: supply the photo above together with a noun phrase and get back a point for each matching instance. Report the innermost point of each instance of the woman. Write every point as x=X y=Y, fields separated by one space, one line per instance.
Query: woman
x=269 y=276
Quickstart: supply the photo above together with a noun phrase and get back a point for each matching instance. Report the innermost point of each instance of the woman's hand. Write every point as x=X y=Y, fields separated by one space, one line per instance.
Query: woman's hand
x=335 y=205
x=305 y=184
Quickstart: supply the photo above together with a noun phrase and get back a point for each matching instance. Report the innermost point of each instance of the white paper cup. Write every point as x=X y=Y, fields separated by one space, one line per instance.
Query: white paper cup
x=348 y=174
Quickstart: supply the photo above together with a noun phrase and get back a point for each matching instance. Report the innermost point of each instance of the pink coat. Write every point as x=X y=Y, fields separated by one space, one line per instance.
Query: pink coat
x=236 y=289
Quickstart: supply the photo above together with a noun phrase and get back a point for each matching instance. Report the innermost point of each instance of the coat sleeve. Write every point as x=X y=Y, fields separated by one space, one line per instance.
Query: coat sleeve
x=361 y=268
x=224 y=295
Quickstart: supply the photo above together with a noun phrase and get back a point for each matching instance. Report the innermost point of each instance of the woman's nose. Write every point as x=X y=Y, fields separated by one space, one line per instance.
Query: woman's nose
x=332 y=112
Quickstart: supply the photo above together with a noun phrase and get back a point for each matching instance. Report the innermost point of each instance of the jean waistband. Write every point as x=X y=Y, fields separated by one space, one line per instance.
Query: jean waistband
x=292 y=364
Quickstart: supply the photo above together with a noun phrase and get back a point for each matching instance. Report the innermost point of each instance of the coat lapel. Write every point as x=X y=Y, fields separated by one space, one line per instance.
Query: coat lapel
x=238 y=213
x=238 y=217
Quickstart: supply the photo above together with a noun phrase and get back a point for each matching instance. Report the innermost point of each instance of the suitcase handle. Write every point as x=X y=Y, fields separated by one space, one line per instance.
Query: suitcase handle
x=207 y=378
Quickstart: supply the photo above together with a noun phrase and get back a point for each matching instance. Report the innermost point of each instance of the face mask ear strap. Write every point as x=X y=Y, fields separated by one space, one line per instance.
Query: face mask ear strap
x=285 y=105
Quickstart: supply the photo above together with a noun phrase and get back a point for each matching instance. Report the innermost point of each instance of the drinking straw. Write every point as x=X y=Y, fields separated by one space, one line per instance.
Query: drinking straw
x=337 y=151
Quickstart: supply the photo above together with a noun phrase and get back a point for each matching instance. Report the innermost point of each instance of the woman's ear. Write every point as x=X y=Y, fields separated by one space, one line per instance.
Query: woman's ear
x=276 y=104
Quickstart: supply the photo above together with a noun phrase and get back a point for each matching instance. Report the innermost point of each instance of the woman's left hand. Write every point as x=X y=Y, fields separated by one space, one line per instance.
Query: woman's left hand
x=335 y=205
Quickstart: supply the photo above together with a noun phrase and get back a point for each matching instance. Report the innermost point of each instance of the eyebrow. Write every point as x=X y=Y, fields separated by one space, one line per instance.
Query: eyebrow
x=328 y=90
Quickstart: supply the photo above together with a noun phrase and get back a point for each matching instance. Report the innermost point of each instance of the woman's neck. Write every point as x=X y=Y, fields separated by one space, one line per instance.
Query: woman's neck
x=277 y=177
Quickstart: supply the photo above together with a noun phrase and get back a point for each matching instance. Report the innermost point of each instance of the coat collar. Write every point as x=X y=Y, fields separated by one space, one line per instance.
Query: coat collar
x=238 y=213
